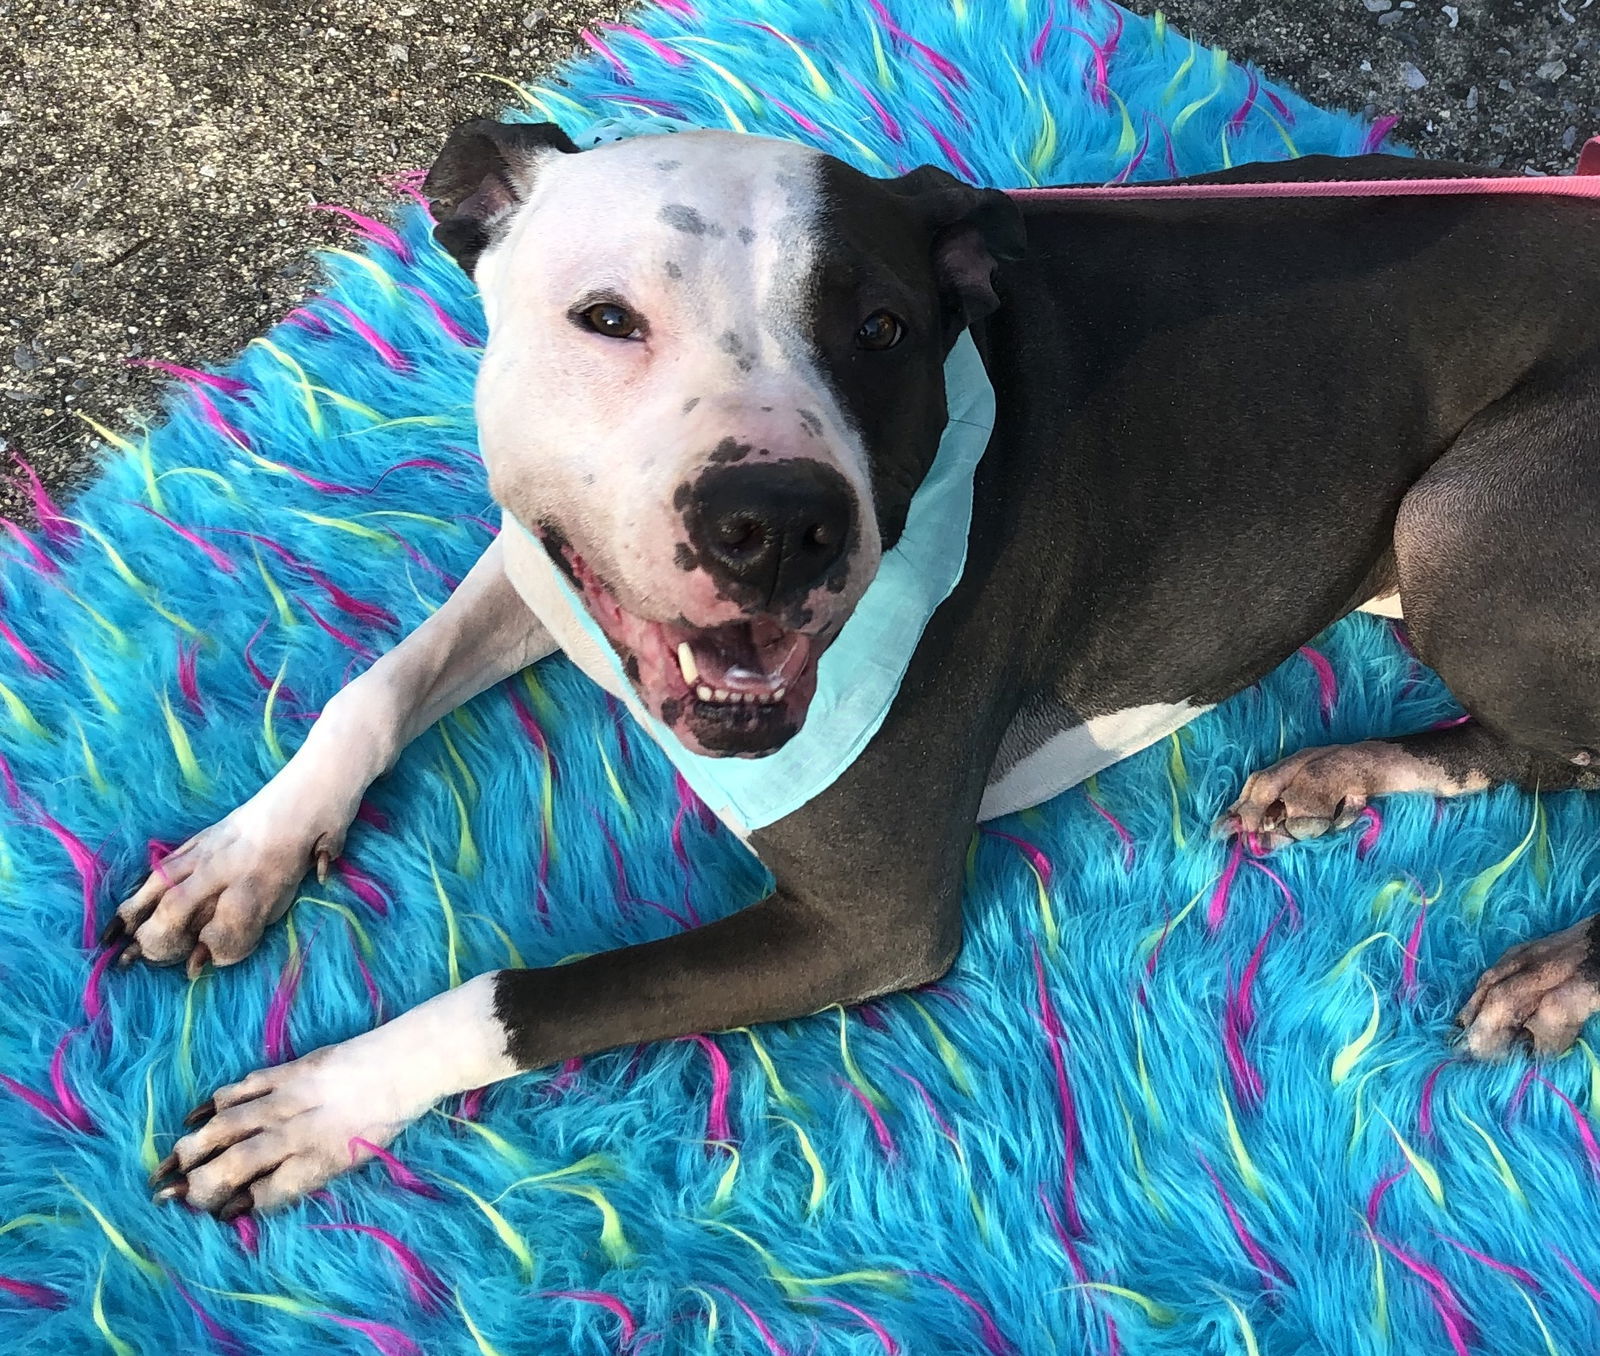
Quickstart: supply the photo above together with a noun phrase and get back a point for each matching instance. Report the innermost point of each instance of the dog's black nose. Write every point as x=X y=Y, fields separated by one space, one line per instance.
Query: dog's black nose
x=771 y=533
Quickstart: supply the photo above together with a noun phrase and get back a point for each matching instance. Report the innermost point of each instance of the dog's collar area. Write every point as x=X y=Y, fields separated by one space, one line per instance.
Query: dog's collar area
x=1584 y=184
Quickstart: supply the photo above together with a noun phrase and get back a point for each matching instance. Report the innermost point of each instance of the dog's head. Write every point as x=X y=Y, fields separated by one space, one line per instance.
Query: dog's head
x=714 y=379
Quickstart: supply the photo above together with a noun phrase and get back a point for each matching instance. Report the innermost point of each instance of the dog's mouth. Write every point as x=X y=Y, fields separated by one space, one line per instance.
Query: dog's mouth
x=739 y=690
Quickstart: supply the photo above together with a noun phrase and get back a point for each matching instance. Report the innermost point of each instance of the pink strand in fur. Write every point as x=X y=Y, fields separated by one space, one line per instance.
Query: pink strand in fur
x=1265 y=1267
x=36 y=556
x=445 y=320
x=1127 y=171
x=38 y=1101
x=1375 y=1197
x=369 y=228
x=51 y=521
x=30 y=661
x=1283 y=109
x=228 y=386
x=1590 y=1148
x=188 y=679
x=1377 y=132
x=1444 y=1299
x=363 y=887
x=891 y=127
x=1055 y=1037
x=889 y=1345
x=305 y=319
x=1588 y=1286
x=1413 y=948
x=1505 y=1268
x=656 y=46
x=343 y=637
x=93 y=1002
x=800 y=120
x=275 y=1035
x=389 y=1341
x=1370 y=834
x=1523 y=1084
x=1122 y=833
x=40 y=1296
x=390 y=356
x=84 y=862
x=1425 y=1100
x=218 y=421
x=471 y=1108
x=1036 y=52
x=879 y=1127
x=593 y=41
x=1080 y=1273
x=1100 y=91
x=399 y=1174
x=221 y=559
x=948 y=147
x=1284 y=890
x=248 y=1232
x=1327 y=680
x=610 y=1303
x=717 y=1127
x=71 y=1107
x=1236 y=122
x=1169 y=151
x=225 y=1341
x=774 y=1347
x=933 y=1110
x=947 y=68
x=421 y=1280
x=994 y=1340
x=681 y=8
x=1217 y=909
x=373 y=995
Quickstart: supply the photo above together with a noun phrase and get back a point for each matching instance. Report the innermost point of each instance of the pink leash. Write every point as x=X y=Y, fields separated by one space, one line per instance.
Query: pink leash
x=1584 y=184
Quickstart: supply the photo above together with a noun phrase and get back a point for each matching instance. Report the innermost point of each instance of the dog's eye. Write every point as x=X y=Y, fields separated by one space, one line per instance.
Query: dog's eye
x=879 y=331
x=612 y=320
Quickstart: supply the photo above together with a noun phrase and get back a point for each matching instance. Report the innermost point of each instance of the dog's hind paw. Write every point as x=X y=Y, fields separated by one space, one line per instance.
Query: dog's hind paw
x=1314 y=792
x=1539 y=993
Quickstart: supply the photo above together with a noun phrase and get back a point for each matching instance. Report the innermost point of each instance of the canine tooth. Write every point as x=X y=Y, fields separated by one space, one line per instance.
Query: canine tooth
x=778 y=695
x=691 y=670
x=703 y=692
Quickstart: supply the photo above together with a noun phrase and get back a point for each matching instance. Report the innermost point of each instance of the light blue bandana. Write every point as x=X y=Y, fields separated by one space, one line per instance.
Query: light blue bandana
x=860 y=673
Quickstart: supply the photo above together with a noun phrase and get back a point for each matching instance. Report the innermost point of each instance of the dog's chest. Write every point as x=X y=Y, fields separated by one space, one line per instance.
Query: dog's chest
x=1047 y=749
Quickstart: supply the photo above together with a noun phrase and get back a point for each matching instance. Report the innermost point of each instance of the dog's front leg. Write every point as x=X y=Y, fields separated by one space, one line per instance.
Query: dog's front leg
x=211 y=899
x=867 y=902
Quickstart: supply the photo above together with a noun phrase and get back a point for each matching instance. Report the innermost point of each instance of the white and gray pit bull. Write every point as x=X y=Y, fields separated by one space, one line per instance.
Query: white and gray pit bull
x=713 y=381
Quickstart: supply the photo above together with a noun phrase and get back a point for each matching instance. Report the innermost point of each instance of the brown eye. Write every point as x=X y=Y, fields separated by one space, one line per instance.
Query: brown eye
x=611 y=320
x=879 y=331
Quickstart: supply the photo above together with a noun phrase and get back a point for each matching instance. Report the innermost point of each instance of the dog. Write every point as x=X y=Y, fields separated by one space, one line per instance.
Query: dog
x=714 y=381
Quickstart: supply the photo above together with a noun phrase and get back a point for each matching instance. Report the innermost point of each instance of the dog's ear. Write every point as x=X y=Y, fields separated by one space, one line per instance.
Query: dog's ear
x=972 y=228
x=484 y=170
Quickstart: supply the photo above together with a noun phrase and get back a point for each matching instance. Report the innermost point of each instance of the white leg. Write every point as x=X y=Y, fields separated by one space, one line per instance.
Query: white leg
x=211 y=899
x=280 y=1133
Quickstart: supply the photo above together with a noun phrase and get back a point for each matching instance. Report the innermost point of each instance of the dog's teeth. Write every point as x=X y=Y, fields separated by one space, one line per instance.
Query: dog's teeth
x=691 y=670
x=722 y=696
x=703 y=692
x=779 y=694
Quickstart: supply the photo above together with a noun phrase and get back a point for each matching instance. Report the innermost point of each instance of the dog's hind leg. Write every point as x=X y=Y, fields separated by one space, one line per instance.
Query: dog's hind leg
x=1498 y=554
x=212 y=898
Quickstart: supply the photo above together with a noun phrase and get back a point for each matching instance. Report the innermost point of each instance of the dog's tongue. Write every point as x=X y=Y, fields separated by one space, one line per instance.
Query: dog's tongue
x=757 y=657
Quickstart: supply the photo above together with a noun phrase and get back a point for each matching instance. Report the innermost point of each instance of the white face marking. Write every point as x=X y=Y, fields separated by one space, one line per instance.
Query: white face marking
x=598 y=435
x=1077 y=753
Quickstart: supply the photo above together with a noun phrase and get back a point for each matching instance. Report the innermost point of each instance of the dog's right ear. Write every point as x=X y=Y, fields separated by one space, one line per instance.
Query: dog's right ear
x=485 y=169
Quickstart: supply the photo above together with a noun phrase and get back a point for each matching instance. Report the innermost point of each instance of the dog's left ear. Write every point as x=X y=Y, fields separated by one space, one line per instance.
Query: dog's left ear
x=973 y=229
x=483 y=171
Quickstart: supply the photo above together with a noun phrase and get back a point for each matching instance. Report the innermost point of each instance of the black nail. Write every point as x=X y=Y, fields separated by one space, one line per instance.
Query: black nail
x=130 y=953
x=165 y=1168
x=241 y=1203
x=202 y=1113
x=176 y=1192
x=199 y=958
x=113 y=931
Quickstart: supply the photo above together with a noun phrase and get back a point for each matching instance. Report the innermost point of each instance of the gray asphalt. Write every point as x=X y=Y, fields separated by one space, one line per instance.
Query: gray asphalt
x=160 y=156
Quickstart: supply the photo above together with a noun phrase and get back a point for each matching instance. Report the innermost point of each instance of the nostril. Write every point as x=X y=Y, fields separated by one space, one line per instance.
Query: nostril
x=740 y=535
x=821 y=537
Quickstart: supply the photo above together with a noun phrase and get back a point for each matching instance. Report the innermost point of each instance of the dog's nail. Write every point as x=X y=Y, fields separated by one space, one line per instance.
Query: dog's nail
x=113 y=931
x=199 y=958
x=176 y=1192
x=204 y=1112
x=241 y=1203
x=324 y=865
x=130 y=953
x=165 y=1168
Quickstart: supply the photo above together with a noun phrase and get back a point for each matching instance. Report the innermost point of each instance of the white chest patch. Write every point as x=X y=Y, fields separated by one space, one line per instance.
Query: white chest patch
x=1033 y=765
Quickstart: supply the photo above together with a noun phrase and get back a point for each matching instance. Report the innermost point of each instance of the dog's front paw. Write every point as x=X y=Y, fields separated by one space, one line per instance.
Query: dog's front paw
x=213 y=897
x=1310 y=794
x=1540 y=992
x=281 y=1133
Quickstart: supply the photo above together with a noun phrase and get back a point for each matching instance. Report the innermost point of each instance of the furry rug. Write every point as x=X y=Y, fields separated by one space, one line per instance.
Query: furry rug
x=1169 y=1100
